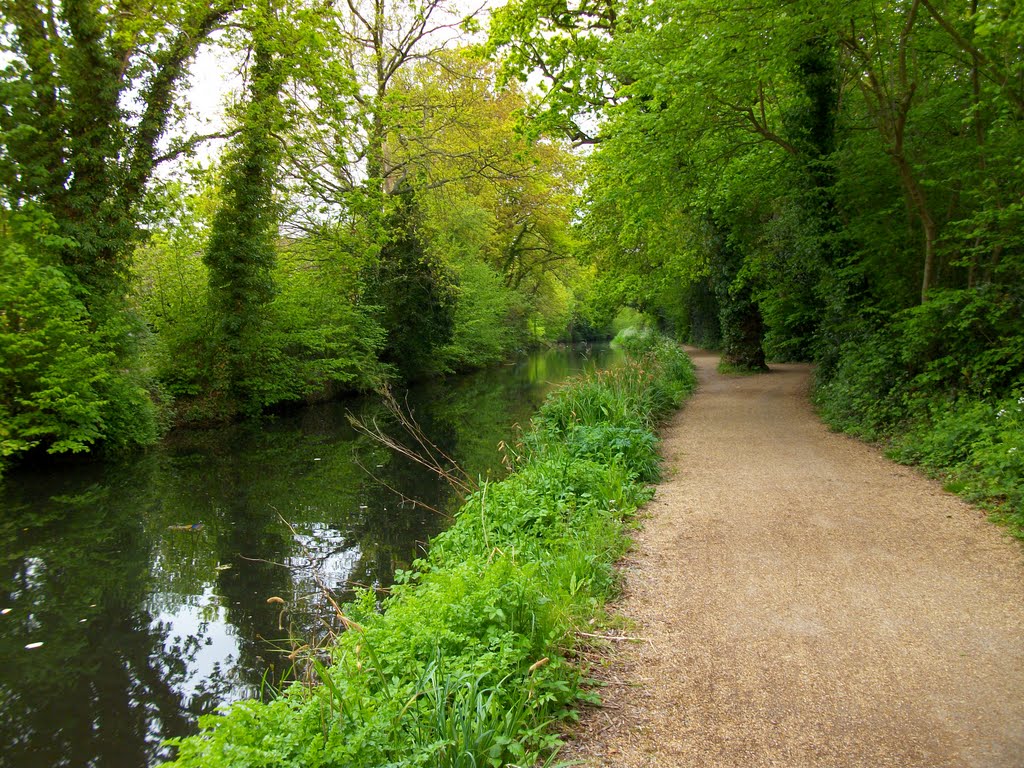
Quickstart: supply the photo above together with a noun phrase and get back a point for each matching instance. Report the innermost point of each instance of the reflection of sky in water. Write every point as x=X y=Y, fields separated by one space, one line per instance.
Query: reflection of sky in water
x=32 y=576
x=325 y=557
x=200 y=646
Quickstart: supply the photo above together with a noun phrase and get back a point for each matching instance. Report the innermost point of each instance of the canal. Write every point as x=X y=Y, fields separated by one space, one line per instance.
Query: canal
x=134 y=596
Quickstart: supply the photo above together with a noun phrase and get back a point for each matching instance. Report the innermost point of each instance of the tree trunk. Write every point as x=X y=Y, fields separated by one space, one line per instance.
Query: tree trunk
x=739 y=315
x=919 y=204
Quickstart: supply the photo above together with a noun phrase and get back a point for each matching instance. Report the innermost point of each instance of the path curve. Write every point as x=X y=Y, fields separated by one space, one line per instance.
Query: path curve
x=805 y=602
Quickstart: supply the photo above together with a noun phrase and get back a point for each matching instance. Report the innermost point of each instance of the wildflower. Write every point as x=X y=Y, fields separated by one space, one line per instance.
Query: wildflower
x=1002 y=412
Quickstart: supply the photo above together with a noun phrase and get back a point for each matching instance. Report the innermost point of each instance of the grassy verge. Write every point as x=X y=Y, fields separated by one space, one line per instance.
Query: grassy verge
x=468 y=663
x=976 y=447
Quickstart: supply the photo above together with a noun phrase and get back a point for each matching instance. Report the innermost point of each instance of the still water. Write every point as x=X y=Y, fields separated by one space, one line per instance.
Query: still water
x=120 y=624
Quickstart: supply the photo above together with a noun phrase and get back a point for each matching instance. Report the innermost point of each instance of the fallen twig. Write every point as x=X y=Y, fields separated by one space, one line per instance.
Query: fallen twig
x=612 y=637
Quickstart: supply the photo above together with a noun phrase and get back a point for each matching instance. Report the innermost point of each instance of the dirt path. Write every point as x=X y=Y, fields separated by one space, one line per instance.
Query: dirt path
x=805 y=602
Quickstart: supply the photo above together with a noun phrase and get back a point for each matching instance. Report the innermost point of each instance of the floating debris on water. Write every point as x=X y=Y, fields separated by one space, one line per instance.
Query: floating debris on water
x=5 y=611
x=317 y=459
x=192 y=527
x=222 y=567
x=31 y=646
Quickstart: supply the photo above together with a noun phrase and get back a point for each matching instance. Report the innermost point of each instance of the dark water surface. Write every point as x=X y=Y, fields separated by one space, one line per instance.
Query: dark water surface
x=144 y=626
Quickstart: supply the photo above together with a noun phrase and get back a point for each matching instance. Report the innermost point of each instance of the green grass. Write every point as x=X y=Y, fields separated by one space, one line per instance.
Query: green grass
x=470 y=660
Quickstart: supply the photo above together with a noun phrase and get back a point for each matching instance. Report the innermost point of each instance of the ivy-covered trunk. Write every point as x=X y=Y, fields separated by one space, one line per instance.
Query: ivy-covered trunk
x=742 y=329
x=241 y=252
x=739 y=316
x=88 y=91
x=415 y=296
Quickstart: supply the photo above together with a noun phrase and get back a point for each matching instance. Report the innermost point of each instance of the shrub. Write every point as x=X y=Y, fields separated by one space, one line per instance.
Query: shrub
x=489 y=319
x=977 y=446
x=63 y=386
x=942 y=384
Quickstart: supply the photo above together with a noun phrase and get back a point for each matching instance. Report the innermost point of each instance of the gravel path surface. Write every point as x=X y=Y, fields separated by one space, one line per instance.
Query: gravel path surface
x=802 y=601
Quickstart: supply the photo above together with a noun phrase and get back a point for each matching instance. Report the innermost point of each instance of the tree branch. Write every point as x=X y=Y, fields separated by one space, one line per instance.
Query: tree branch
x=191 y=143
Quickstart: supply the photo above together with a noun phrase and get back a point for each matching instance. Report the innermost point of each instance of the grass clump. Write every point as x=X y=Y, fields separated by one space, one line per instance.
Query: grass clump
x=468 y=661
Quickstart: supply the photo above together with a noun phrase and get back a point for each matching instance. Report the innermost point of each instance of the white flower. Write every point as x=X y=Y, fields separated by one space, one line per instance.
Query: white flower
x=1002 y=412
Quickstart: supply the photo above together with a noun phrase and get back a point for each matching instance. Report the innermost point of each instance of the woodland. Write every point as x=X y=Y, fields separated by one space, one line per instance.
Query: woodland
x=408 y=188
x=404 y=189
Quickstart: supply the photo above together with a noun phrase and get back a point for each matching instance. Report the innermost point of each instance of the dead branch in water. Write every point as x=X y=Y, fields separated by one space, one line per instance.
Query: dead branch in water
x=423 y=451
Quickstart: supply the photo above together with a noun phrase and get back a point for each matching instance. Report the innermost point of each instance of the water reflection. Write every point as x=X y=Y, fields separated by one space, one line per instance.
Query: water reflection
x=146 y=622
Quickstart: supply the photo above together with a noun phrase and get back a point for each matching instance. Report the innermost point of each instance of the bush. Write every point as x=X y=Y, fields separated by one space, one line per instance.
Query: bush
x=467 y=663
x=314 y=339
x=63 y=387
x=942 y=383
x=489 y=319
x=977 y=446
x=864 y=395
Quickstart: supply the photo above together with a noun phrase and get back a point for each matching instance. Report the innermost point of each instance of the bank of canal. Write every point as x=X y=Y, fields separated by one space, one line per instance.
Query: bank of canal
x=145 y=624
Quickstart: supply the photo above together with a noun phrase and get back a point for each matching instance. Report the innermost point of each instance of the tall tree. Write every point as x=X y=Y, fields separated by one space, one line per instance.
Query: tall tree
x=241 y=252
x=88 y=91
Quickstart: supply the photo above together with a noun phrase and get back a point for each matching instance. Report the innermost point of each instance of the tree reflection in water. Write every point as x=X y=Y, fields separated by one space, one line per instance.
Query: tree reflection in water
x=145 y=626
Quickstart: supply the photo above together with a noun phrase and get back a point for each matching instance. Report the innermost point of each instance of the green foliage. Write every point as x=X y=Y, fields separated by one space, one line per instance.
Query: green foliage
x=739 y=314
x=968 y=341
x=976 y=446
x=45 y=396
x=630 y=319
x=940 y=382
x=61 y=388
x=837 y=181
x=414 y=296
x=87 y=96
x=466 y=665
x=171 y=288
x=487 y=322
x=631 y=395
x=318 y=339
x=317 y=345
x=363 y=222
x=240 y=253
x=702 y=324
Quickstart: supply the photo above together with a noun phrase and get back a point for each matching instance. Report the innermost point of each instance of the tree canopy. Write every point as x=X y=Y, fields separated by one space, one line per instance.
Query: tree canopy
x=397 y=197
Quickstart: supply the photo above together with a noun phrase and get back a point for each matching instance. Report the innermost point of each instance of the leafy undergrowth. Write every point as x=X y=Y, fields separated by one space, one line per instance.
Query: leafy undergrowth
x=942 y=385
x=468 y=663
x=977 y=448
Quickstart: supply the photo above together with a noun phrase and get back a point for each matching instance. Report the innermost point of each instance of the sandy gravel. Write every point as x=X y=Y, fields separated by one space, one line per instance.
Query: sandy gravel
x=802 y=601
